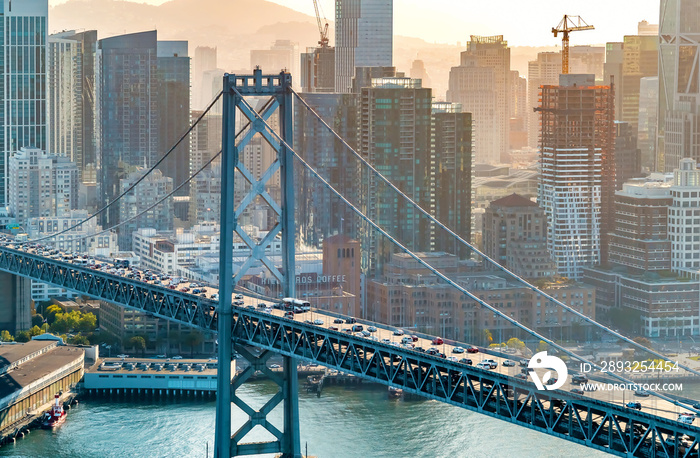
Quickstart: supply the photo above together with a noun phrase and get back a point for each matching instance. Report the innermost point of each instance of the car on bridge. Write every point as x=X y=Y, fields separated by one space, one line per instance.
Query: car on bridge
x=634 y=405
x=338 y=321
x=398 y=332
x=472 y=349
x=642 y=393
x=466 y=361
x=508 y=363
x=438 y=341
x=371 y=328
x=578 y=391
x=289 y=315
x=491 y=363
x=483 y=365
x=458 y=350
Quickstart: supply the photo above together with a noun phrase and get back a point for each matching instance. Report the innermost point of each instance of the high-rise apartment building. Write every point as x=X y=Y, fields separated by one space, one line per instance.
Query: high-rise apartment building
x=205 y=59
x=577 y=170
x=333 y=160
x=637 y=292
x=41 y=185
x=363 y=38
x=71 y=94
x=394 y=136
x=612 y=70
x=488 y=52
x=23 y=101
x=646 y=121
x=283 y=55
x=679 y=84
x=128 y=110
x=683 y=217
x=474 y=88
x=514 y=234
x=628 y=162
x=584 y=60
x=641 y=59
x=451 y=176
x=149 y=191
x=543 y=71
x=174 y=110
x=639 y=239
x=517 y=138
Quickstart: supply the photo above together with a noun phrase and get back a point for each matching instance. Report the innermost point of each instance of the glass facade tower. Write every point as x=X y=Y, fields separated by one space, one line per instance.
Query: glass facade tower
x=23 y=92
x=679 y=87
x=363 y=38
x=128 y=110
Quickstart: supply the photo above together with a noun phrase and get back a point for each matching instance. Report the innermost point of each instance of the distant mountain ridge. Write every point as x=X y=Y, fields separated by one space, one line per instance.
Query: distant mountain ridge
x=237 y=26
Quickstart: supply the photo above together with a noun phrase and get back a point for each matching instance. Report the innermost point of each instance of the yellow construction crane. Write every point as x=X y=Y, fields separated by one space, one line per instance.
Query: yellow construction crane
x=323 y=30
x=568 y=24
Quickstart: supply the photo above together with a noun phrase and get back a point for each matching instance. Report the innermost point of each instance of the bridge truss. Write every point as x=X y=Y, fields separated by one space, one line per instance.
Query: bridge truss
x=597 y=424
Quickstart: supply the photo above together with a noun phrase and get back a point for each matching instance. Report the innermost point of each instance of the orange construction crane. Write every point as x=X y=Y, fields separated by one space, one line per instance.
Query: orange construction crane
x=568 y=24
x=321 y=29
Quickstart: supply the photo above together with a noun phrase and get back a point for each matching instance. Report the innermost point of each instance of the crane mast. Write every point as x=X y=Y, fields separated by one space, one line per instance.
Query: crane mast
x=568 y=24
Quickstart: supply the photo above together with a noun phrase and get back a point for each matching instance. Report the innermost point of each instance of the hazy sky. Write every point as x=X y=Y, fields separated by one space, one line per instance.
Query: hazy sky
x=523 y=22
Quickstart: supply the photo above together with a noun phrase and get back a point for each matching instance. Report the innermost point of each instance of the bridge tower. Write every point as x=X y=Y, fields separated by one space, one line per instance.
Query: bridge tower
x=236 y=88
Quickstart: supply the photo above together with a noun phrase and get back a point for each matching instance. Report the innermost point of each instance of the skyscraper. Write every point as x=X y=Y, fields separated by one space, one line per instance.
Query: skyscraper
x=577 y=170
x=23 y=70
x=492 y=135
x=363 y=38
x=641 y=59
x=128 y=110
x=473 y=87
x=451 y=176
x=646 y=121
x=682 y=217
x=174 y=110
x=71 y=94
x=205 y=59
x=679 y=84
x=394 y=136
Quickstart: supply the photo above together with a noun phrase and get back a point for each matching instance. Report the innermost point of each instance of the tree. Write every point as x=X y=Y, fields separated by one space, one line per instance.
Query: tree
x=23 y=336
x=87 y=322
x=51 y=312
x=643 y=341
x=515 y=343
x=542 y=346
x=38 y=320
x=193 y=339
x=138 y=343
x=35 y=331
x=5 y=336
x=79 y=340
x=488 y=337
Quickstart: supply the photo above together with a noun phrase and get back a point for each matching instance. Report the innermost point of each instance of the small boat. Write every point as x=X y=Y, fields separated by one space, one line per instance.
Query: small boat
x=395 y=393
x=56 y=416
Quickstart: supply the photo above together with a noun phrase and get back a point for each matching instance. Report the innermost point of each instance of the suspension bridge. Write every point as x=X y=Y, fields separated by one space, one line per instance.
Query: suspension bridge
x=590 y=419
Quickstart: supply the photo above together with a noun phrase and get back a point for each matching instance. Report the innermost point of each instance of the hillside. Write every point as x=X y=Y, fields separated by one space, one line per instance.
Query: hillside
x=236 y=27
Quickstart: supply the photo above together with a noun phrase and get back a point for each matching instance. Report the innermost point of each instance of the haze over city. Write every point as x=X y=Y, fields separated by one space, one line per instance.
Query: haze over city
x=349 y=228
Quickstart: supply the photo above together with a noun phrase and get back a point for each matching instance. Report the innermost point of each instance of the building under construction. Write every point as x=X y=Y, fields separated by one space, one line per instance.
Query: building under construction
x=577 y=170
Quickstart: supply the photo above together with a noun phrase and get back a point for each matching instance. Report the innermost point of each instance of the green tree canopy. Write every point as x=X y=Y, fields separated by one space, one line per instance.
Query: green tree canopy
x=193 y=339
x=488 y=337
x=87 y=322
x=51 y=312
x=542 y=346
x=23 y=336
x=642 y=341
x=515 y=343
x=79 y=340
x=5 y=336
x=138 y=343
x=35 y=331
x=38 y=320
